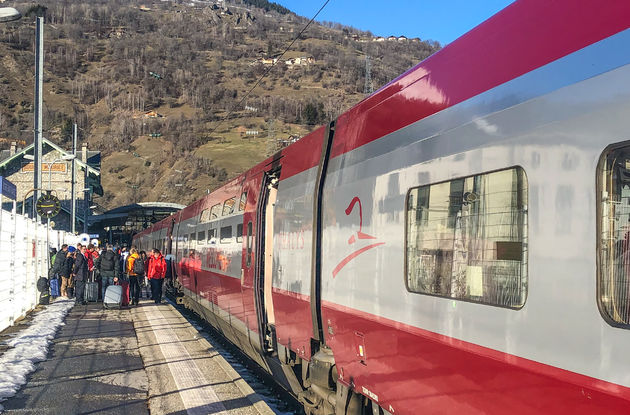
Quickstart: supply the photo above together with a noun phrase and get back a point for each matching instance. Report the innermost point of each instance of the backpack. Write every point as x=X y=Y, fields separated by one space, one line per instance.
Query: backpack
x=138 y=266
x=107 y=261
x=42 y=284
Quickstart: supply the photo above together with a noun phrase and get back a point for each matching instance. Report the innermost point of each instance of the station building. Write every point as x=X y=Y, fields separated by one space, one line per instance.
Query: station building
x=56 y=177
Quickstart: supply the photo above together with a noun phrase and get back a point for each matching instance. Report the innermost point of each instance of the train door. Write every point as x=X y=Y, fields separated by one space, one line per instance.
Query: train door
x=172 y=254
x=168 y=247
x=264 y=260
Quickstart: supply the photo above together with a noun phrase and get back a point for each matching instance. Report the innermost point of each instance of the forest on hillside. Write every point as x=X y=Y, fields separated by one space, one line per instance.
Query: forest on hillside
x=106 y=61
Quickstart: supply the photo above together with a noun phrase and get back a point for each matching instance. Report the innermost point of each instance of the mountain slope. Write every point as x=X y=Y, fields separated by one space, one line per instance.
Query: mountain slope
x=195 y=66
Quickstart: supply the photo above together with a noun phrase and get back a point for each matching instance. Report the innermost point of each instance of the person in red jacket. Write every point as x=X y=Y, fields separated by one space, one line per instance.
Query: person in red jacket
x=155 y=274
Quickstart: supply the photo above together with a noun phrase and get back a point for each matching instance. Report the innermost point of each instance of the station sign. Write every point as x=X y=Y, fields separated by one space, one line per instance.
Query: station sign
x=46 y=167
x=48 y=206
x=8 y=189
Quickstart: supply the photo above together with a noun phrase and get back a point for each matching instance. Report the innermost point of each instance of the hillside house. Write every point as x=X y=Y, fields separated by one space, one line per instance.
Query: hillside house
x=152 y=114
x=300 y=61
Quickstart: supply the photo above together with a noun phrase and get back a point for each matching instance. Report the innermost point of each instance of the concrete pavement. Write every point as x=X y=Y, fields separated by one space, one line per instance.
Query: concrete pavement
x=93 y=367
x=147 y=359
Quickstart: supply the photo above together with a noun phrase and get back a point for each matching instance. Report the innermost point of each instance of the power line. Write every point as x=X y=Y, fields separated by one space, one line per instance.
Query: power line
x=269 y=69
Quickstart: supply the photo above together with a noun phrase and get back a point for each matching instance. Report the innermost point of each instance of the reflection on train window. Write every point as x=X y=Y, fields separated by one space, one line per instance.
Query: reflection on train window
x=614 y=236
x=467 y=239
x=212 y=235
x=215 y=211
x=249 y=243
x=201 y=237
x=205 y=216
x=239 y=232
x=228 y=206
x=226 y=234
x=243 y=202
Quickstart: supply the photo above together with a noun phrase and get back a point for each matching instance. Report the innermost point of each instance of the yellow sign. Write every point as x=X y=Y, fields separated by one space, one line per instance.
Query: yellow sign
x=54 y=167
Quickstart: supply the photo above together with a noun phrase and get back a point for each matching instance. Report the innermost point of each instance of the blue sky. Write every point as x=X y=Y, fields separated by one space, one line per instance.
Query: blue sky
x=441 y=20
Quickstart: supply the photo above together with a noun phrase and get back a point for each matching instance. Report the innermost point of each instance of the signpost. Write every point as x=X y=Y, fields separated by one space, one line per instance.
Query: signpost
x=7 y=189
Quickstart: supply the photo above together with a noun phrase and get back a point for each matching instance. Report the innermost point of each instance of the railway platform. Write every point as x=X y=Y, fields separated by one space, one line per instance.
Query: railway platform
x=140 y=360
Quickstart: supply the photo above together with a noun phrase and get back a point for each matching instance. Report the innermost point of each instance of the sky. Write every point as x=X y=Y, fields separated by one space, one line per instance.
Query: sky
x=441 y=20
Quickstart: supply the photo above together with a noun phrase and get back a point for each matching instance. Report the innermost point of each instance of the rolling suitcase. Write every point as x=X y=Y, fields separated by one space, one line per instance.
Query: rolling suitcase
x=91 y=289
x=54 y=288
x=113 y=296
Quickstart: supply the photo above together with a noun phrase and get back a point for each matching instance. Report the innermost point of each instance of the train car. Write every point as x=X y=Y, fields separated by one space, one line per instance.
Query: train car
x=458 y=242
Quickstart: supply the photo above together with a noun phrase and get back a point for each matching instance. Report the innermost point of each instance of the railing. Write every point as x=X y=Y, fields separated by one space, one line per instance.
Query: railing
x=23 y=259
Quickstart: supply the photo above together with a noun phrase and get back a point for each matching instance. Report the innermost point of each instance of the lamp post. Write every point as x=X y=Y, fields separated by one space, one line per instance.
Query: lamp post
x=39 y=103
x=73 y=199
x=67 y=157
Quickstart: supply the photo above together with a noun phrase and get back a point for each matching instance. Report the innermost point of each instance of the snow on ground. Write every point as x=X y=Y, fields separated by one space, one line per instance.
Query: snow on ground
x=30 y=346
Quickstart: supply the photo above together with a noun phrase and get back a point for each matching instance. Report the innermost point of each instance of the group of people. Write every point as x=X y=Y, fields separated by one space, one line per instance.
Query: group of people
x=77 y=266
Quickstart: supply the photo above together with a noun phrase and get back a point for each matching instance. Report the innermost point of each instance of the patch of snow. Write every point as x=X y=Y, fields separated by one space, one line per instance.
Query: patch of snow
x=30 y=346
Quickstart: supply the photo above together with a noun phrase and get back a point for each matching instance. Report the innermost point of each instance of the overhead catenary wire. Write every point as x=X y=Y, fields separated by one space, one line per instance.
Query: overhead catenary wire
x=268 y=69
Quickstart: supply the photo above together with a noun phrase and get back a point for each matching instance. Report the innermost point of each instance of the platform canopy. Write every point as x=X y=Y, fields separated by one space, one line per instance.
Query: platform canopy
x=120 y=224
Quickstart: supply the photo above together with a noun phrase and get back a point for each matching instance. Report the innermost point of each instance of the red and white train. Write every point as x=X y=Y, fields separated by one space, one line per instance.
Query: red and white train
x=458 y=242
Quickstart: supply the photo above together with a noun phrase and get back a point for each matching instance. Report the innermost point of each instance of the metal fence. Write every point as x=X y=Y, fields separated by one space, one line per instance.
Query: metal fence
x=23 y=259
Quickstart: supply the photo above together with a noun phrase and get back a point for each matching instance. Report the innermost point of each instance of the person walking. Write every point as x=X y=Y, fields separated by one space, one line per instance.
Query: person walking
x=80 y=272
x=124 y=255
x=156 y=273
x=107 y=265
x=59 y=261
x=144 y=282
x=135 y=271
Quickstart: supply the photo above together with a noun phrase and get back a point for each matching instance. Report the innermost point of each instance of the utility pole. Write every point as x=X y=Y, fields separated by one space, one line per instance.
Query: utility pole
x=74 y=178
x=86 y=201
x=368 y=88
x=272 y=145
x=39 y=86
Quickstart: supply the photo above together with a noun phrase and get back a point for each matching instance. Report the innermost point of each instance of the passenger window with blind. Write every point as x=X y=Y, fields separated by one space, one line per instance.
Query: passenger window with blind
x=466 y=239
x=613 y=285
x=212 y=236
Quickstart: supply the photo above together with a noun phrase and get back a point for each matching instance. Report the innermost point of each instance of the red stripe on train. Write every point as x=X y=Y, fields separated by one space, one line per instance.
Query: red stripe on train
x=415 y=370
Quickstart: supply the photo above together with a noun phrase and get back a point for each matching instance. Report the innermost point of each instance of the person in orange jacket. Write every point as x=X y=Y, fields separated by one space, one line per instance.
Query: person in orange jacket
x=155 y=274
x=135 y=273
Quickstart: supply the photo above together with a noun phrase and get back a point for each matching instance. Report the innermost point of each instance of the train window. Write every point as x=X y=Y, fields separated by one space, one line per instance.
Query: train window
x=212 y=235
x=249 y=244
x=228 y=206
x=215 y=211
x=201 y=237
x=205 y=216
x=239 y=232
x=226 y=234
x=613 y=270
x=243 y=202
x=467 y=239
